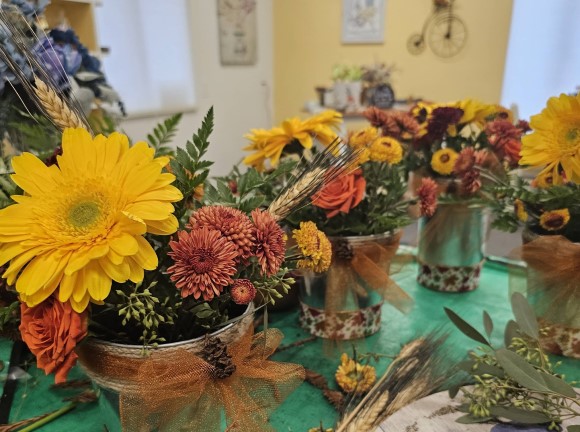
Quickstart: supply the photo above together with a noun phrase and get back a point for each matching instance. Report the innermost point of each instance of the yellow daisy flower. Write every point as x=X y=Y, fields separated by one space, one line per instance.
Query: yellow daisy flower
x=443 y=161
x=386 y=149
x=314 y=246
x=546 y=180
x=80 y=224
x=520 y=210
x=363 y=137
x=270 y=144
x=554 y=220
x=555 y=140
x=351 y=376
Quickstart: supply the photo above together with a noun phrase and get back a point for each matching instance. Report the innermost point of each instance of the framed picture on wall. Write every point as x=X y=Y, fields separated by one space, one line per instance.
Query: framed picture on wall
x=363 y=21
x=237 y=32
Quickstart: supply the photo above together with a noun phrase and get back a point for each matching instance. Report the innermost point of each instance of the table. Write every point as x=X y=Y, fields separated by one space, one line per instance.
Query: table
x=306 y=407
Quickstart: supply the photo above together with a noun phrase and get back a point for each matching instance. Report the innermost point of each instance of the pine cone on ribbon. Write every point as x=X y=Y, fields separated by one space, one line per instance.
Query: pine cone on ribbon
x=215 y=352
x=342 y=250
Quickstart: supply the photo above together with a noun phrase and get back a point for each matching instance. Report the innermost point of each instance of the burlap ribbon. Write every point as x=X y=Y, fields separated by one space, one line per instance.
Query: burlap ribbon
x=367 y=268
x=178 y=391
x=553 y=281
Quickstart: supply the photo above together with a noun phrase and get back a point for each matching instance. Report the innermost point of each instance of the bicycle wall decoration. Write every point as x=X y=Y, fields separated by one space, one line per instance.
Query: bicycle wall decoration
x=443 y=31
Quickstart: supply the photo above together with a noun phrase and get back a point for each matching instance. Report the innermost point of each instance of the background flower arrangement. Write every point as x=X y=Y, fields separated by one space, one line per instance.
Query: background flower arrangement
x=457 y=141
x=371 y=198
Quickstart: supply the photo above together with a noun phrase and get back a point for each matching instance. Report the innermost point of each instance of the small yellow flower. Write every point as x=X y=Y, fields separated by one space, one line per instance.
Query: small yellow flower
x=443 y=161
x=520 y=210
x=545 y=180
x=554 y=220
x=314 y=246
x=363 y=137
x=354 y=377
x=386 y=149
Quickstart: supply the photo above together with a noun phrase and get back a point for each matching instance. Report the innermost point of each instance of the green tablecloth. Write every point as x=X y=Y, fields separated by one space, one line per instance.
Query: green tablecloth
x=306 y=407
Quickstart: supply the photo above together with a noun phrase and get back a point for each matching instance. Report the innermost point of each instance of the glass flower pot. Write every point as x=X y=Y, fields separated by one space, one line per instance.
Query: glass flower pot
x=451 y=249
x=345 y=303
x=552 y=288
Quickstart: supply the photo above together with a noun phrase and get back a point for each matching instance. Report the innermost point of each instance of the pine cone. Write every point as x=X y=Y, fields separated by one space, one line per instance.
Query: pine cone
x=215 y=352
x=342 y=250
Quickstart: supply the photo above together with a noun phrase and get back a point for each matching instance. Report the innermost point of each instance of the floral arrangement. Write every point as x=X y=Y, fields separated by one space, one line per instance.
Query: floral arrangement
x=293 y=137
x=370 y=198
x=343 y=72
x=550 y=204
x=460 y=145
x=377 y=74
x=107 y=242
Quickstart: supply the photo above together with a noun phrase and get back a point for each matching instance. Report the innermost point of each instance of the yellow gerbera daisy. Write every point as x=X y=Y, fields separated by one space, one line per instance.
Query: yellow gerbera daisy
x=555 y=140
x=80 y=224
x=314 y=246
x=520 y=210
x=351 y=376
x=443 y=161
x=386 y=149
x=555 y=220
x=270 y=144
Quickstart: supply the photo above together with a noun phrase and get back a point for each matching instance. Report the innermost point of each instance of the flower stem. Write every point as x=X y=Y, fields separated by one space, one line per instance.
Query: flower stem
x=50 y=417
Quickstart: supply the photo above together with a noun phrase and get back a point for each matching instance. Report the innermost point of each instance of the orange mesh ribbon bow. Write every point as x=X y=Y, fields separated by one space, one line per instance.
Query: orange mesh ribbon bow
x=553 y=287
x=179 y=391
x=365 y=263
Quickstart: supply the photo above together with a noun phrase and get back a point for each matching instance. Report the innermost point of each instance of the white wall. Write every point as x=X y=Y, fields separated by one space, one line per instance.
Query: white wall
x=241 y=95
x=542 y=59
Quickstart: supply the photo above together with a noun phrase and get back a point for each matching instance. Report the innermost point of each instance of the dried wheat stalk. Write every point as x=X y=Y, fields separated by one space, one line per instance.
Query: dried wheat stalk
x=55 y=107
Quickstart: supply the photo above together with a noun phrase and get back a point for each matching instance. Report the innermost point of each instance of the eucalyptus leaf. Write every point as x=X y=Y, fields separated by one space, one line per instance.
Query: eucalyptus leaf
x=453 y=391
x=466 y=365
x=466 y=328
x=519 y=415
x=558 y=385
x=483 y=369
x=487 y=324
x=525 y=316
x=470 y=419
x=512 y=330
x=520 y=370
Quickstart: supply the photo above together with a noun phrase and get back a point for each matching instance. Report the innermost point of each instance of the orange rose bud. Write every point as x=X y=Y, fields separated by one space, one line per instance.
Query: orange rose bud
x=52 y=330
x=342 y=194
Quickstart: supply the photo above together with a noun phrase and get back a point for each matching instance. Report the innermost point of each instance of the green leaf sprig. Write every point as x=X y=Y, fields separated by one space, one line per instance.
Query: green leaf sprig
x=516 y=382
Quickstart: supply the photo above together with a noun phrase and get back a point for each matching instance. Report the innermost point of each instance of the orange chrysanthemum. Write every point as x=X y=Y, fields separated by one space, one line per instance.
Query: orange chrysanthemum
x=427 y=194
x=270 y=246
x=243 y=291
x=204 y=262
x=232 y=223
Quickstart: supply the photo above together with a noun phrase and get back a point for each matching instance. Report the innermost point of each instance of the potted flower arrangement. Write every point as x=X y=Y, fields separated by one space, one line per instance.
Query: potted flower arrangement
x=460 y=149
x=362 y=212
x=116 y=264
x=347 y=87
x=549 y=209
x=377 y=85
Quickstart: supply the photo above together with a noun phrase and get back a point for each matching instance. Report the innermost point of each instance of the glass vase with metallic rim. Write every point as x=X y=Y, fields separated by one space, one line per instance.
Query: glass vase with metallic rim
x=558 y=312
x=341 y=304
x=109 y=388
x=451 y=249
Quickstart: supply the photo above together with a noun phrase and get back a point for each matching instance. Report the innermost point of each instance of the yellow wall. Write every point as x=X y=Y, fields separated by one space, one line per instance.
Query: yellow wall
x=307 y=43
